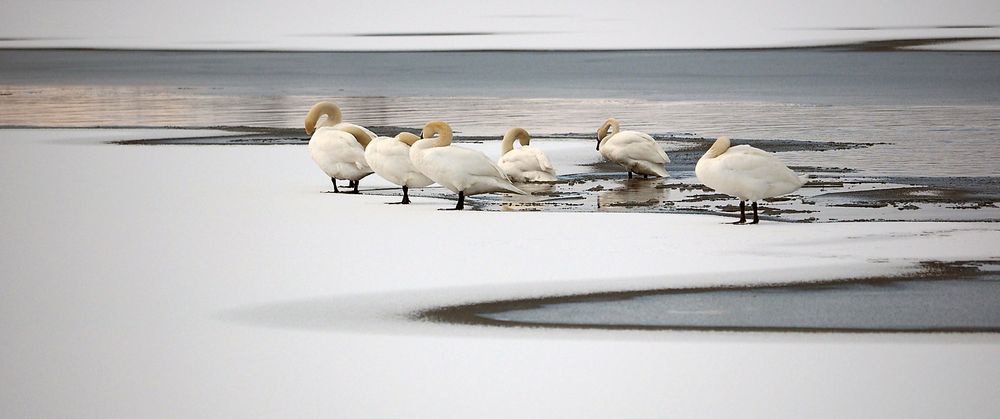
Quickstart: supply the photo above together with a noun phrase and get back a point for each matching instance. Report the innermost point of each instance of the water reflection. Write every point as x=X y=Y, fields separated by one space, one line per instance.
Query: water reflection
x=633 y=193
x=915 y=137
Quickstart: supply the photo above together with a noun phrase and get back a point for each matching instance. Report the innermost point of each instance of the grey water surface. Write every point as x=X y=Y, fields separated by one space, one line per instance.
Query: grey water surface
x=920 y=305
x=932 y=113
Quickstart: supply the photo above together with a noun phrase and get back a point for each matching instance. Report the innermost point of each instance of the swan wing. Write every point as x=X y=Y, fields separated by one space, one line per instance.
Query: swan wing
x=636 y=145
x=767 y=174
x=526 y=159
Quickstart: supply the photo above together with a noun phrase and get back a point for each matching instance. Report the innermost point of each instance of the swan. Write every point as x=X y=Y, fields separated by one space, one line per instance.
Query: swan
x=747 y=173
x=634 y=150
x=341 y=154
x=323 y=152
x=460 y=170
x=526 y=163
x=389 y=157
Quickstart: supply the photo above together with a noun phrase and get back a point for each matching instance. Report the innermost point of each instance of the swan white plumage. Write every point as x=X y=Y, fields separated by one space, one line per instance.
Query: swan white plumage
x=389 y=157
x=747 y=173
x=337 y=147
x=635 y=151
x=460 y=170
x=526 y=163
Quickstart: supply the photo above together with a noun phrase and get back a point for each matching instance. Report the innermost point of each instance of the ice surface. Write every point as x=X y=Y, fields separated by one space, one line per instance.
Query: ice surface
x=204 y=281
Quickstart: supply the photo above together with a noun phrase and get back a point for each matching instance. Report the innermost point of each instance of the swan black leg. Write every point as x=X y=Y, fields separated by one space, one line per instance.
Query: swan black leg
x=743 y=213
x=335 y=190
x=406 y=197
x=461 y=203
x=755 y=219
x=630 y=175
x=355 y=184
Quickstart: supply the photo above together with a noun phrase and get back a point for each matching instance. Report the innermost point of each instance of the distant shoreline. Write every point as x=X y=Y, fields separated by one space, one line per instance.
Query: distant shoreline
x=883 y=45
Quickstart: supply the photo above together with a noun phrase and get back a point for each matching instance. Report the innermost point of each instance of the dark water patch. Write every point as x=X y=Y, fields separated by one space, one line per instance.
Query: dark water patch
x=941 y=297
x=955 y=194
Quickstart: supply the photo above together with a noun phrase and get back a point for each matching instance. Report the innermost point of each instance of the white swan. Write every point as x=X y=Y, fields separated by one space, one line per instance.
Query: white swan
x=460 y=170
x=747 y=173
x=635 y=151
x=389 y=157
x=526 y=163
x=332 y=145
x=341 y=154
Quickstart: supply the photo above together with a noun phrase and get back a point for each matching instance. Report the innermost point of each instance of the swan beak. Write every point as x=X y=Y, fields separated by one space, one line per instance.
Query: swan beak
x=598 y=148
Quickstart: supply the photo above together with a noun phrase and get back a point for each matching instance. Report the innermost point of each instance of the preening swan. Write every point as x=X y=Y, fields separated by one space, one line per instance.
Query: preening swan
x=341 y=154
x=389 y=157
x=323 y=145
x=526 y=163
x=747 y=173
x=635 y=151
x=461 y=170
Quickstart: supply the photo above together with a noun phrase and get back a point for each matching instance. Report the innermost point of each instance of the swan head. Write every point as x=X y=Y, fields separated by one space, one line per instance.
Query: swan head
x=329 y=109
x=407 y=138
x=720 y=146
x=514 y=134
x=610 y=125
x=442 y=129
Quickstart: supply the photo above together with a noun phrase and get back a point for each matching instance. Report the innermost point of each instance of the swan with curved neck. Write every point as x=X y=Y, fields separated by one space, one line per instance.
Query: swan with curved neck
x=389 y=157
x=459 y=169
x=526 y=163
x=635 y=151
x=338 y=148
x=334 y=119
x=746 y=173
x=611 y=125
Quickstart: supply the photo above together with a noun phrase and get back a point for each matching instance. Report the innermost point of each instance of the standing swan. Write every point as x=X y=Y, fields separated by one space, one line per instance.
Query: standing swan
x=390 y=158
x=634 y=150
x=526 y=163
x=341 y=154
x=747 y=173
x=324 y=153
x=461 y=170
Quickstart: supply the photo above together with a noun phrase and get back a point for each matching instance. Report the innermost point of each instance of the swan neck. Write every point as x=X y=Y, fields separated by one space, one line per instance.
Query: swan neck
x=514 y=134
x=610 y=127
x=443 y=131
x=407 y=138
x=720 y=146
x=358 y=134
x=332 y=112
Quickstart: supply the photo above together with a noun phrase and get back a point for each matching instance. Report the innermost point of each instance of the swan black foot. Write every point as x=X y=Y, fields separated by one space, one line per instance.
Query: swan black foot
x=461 y=203
x=406 y=198
x=335 y=190
x=355 y=185
x=743 y=213
x=755 y=219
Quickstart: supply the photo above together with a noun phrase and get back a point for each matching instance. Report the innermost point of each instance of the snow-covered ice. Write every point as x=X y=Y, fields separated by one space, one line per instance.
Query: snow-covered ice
x=216 y=281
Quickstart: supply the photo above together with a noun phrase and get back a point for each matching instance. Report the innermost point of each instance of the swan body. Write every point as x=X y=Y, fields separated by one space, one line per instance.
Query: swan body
x=338 y=148
x=526 y=163
x=389 y=157
x=635 y=151
x=746 y=173
x=459 y=169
